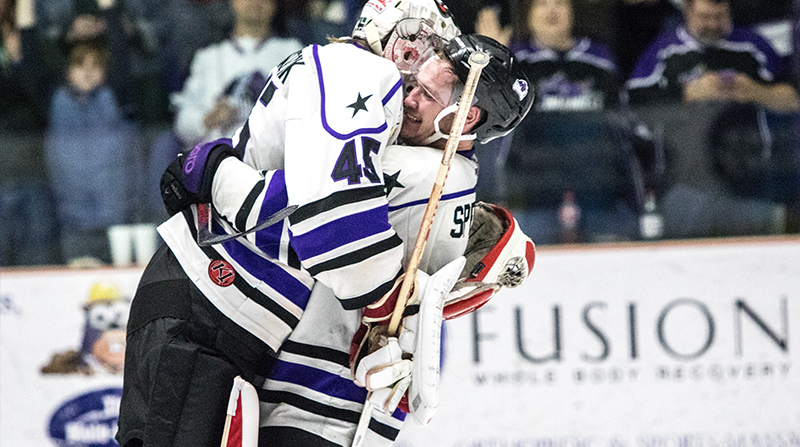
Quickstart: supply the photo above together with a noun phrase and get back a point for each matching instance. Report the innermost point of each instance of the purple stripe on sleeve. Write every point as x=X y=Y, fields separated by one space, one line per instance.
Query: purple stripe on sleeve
x=277 y=278
x=341 y=231
x=275 y=199
x=318 y=380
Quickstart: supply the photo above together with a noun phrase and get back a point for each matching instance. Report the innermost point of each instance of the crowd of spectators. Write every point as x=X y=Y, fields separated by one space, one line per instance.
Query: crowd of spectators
x=689 y=103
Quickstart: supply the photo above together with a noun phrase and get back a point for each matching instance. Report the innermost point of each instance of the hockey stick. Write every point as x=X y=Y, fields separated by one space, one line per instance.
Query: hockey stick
x=477 y=61
x=206 y=237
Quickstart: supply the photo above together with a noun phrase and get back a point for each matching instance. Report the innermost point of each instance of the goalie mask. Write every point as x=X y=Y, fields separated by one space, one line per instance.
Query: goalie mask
x=498 y=255
x=379 y=17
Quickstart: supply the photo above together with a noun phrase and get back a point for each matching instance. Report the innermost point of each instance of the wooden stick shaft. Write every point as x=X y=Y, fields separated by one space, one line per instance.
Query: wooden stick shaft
x=477 y=60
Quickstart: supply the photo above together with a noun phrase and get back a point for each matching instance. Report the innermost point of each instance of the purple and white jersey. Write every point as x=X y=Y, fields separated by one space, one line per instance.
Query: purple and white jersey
x=581 y=78
x=310 y=387
x=316 y=138
x=676 y=58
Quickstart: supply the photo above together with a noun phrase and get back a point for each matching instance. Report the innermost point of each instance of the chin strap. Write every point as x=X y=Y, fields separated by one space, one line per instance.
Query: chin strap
x=438 y=134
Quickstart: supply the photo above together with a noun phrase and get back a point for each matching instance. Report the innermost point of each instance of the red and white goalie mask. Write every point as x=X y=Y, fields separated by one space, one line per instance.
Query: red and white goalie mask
x=379 y=17
x=498 y=255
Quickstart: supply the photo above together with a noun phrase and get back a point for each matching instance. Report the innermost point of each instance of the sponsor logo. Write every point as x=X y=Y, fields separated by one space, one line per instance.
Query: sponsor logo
x=190 y=160
x=221 y=272
x=521 y=88
x=89 y=420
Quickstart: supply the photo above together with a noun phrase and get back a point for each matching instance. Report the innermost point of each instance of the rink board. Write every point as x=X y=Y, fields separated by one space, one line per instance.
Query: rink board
x=684 y=345
x=713 y=359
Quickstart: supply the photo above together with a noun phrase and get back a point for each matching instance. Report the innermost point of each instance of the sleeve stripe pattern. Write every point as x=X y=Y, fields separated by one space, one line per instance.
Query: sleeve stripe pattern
x=306 y=404
x=232 y=247
x=356 y=256
x=340 y=232
x=255 y=295
x=328 y=128
x=336 y=200
x=275 y=199
x=370 y=297
x=244 y=137
x=247 y=206
x=318 y=380
x=383 y=429
x=273 y=275
x=450 y=196
x=317 y=352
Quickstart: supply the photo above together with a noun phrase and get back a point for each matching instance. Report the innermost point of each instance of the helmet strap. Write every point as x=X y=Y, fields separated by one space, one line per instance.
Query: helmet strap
x=438 y=134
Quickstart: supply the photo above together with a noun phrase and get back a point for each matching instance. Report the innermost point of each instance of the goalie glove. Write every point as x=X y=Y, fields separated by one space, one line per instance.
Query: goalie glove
x=498 y=255
x=411 y=360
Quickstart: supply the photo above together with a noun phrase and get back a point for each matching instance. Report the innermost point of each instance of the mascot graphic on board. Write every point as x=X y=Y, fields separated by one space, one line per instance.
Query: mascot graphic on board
x=103 y=344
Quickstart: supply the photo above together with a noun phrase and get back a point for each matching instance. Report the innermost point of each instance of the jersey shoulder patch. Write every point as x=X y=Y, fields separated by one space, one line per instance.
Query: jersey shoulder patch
x=354 y=87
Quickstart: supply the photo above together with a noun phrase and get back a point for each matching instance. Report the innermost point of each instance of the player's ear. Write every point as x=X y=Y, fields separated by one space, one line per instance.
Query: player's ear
x=473 y=119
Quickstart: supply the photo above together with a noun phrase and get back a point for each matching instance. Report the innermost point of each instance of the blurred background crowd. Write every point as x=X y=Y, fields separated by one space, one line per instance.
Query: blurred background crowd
x=653 y=119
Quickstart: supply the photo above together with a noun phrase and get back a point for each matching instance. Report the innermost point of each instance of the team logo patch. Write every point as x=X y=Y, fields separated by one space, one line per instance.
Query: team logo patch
x=221 y=272
x=521 y=88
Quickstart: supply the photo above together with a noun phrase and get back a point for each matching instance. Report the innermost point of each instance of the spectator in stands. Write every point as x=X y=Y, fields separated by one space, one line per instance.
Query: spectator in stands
x=638 y=23
x=708 y=59
x=226 y=78
x=569 y=137
x=191 y=25
x=28 y=232
x=568 y=72
x=88 y=137
x=708 y=64
x=225 y=81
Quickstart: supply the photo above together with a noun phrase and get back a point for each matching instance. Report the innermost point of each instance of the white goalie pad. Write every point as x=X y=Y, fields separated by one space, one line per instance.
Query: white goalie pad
x=241 y=424
x=410 y=362
x=423 y=394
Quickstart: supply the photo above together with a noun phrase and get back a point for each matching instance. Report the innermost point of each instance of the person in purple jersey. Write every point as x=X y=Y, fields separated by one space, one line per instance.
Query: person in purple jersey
x=567 y=72
x=708 y=59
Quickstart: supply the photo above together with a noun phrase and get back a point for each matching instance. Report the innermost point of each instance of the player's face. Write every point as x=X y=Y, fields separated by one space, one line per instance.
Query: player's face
x=426 y=96
x=550 y=19
x=708 y=21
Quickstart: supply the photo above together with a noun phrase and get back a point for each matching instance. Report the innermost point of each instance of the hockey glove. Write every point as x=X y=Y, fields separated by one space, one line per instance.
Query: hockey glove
x=498 y=255
x=187 y=180
x=411 y=360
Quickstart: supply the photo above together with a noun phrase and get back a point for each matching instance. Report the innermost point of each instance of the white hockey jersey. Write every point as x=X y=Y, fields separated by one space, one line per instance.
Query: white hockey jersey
x=310 y=386
x=318 y=132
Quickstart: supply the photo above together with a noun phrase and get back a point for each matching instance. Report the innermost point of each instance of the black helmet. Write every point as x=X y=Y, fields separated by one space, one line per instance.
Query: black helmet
x=503 y=90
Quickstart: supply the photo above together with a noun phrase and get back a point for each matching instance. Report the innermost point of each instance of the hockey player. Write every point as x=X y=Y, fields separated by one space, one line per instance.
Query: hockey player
x=203 y=315
x=309 y=397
